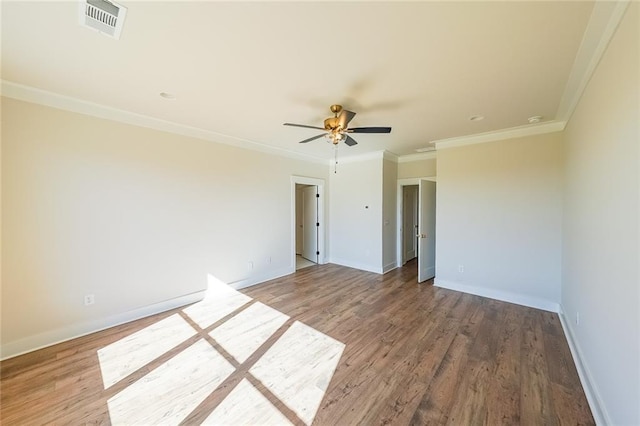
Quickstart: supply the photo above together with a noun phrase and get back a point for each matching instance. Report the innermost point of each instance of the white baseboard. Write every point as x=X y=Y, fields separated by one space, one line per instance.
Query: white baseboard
x=505 y=296
x=598 y=410
x=259 y=279
x=356 y=265
x=53 y=337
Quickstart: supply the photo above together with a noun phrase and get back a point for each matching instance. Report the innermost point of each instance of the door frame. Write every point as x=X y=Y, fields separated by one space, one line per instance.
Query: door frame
x=319 y=183
x=399 y=193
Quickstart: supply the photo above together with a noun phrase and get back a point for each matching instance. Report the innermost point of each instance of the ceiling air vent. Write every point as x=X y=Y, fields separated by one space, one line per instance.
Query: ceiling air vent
x=104 y=16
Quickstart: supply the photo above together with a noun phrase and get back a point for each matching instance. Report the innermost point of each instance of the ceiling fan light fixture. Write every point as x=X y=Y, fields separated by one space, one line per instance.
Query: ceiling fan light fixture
x=335 y=137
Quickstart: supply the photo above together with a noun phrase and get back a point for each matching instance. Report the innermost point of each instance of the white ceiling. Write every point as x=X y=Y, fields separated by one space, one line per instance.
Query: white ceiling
x=239 y=70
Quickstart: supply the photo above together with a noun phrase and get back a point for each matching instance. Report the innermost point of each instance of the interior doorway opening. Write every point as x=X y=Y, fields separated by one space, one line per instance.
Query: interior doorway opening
x=417 y=225
x=306 y=225
x=409 y=223
x=307 y=222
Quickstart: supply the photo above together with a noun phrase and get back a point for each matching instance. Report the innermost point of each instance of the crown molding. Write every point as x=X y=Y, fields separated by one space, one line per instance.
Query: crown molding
x=38 y=96
x=604 y=21
x=431 y=155
x=510 y=133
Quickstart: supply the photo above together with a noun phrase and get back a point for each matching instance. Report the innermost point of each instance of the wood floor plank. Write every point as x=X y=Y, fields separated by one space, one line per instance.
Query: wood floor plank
x=413 y=354
x=442 y=389
x=535 y=392
x=503 y=395
x=419 y=365
x=442 y=399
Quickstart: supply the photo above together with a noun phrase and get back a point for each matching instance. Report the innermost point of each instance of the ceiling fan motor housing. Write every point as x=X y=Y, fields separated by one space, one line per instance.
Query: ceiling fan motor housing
x=331 y=123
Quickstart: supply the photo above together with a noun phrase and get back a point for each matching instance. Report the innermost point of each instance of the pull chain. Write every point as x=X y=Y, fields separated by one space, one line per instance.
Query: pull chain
x=335 y=166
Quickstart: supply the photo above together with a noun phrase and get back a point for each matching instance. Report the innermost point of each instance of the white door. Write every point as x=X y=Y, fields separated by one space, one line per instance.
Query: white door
x=310 y=223
x=426 y=230
x=409 y=222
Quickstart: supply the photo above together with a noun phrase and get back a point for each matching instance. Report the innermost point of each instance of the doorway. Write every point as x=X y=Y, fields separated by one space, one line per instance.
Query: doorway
x=417 y=225
x=306 y=225
x=409 y=223
x=307 y=222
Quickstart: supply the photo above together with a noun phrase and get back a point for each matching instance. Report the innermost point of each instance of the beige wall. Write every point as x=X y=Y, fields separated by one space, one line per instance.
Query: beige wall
x=499 y=211
x=356 y=214
x=601 y=280
x=417 y=169
x=132 y=215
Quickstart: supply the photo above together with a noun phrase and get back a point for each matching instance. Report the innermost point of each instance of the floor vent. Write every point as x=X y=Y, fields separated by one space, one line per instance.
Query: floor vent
x=103 y=16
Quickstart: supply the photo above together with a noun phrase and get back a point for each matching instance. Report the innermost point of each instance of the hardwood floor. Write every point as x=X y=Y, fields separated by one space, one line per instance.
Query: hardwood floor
x=327 y=345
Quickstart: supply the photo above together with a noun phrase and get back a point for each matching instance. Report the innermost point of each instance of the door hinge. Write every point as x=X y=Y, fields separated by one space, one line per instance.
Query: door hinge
x=317 y=253
x=317 y=223
x=317 y=195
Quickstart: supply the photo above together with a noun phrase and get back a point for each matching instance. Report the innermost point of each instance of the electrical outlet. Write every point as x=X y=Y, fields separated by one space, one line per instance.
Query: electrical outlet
x=89 y=299
x=250 y=265
x=269 y=260
x=461 y=268
x=577 y=318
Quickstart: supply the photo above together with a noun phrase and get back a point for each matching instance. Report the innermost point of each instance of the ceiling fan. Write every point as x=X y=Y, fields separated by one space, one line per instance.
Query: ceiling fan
x=336 y=127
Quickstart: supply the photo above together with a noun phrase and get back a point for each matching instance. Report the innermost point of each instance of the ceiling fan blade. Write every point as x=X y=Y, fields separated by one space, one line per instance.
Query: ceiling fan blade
x=304 y=125
x=313 y=138
x=345 y=117
x=350 y=141
x=370 y=130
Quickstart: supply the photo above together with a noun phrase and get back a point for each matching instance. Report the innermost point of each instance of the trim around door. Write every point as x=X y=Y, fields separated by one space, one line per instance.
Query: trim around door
x=320 y=184
x=401 y=183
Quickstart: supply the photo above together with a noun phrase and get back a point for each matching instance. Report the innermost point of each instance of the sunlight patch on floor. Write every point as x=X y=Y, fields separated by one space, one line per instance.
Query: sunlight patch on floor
x=127 y=355
x=298 y=368
x=220 y=301
x=172 y=391
x=248 y=330
x=245 y=405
